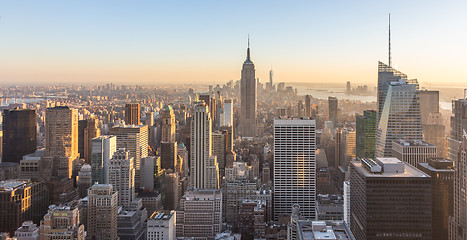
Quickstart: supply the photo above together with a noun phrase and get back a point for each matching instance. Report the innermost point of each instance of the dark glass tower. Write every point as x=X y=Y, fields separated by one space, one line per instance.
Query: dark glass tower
x=19 y=134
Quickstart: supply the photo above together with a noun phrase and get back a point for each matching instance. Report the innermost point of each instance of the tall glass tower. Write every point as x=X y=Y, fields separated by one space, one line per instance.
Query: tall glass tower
x=400 y=117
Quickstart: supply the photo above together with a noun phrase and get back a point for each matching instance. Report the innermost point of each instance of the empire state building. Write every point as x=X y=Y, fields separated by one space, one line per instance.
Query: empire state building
x=248 y=97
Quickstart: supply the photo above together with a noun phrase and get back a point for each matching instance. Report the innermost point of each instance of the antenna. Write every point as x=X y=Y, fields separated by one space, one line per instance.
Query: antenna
x=389 y=39
x=248 y=40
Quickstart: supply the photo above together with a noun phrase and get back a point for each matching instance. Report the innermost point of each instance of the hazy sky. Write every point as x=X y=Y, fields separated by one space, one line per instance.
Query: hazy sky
x=196 y=41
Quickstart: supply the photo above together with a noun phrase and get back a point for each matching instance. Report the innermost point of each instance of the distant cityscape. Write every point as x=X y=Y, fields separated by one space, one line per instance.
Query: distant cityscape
x=244 y=159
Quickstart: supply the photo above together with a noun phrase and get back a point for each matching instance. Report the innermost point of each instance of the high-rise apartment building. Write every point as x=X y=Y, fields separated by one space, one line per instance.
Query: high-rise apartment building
x=62 y=222
x=294 y=166
x=441 y=172
x=366 y=134
x=332 y=106
x=87 y=130
x=19 y=134
x=199 y=214
x=248 y=97
x=102 y=212
x=400 y=118
x=389 y=199
x=134 y=138
x=103 y=149
x=413 y=151
x=203 y=166
x=21 y=200
x=132 y=114
x=61 y=134
x=122 y=176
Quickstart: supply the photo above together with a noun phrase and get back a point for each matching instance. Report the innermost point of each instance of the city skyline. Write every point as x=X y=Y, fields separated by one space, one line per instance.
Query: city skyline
x=148 y=43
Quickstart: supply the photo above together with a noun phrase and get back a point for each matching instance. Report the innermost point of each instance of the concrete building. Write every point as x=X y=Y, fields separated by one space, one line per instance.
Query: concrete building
x=252 y=219
x=132 y=221
x=132 y=114
x=161 y=225
x=61 y=133
x=9 y=170
x=389 y=199
x=102 y=212
x=228 y=113
x=204 y=169
x=84 y=180
x=458 y=221
x=103 y=149
x=347 y=203
x=87 y=130
x=200 y=214
x=134 y=138
x=248 y=97
x=19 y=134
x=62 y=222
x=294 y=148
x=413 y=151
x=441 y=172
x=432 y=122
x=219 y=149
x=21 y=200
x=30 y=166
x=167 y=124
x=27 y=231
x=122 y=176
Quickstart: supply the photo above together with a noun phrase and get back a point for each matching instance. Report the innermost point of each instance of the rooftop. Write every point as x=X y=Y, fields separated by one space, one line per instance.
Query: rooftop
x=12 y=184
x=162 y=215
x=393 y=165
x=411 y=143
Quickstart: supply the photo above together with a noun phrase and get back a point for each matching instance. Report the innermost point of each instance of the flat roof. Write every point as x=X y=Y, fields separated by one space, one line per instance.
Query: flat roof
x=409 y=171
x=431 y=168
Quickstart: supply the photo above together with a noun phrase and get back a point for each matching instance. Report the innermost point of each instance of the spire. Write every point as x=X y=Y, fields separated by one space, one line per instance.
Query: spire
x=389 y=39
x=248 y=60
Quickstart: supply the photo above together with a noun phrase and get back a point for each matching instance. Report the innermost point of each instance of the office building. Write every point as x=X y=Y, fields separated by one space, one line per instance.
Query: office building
x=84 y=180
x=130 y=221
x=199 y=214
x=389 y=199
x=294 y=166
x=366 y=134
x=61 y=134
x=458 y=126
x=308 y=106
x=400 y=118
x=347 y=203
x=122 y=176
x=332 y=106
x=171 y=190
x=432 y=122
x=27 y=231
x=169 y=155
x=386 y=76
x=103 y=149
x=161 y=225
x=9 y=170
x=19 y=134
x=87 y=130
x=252 y=219
x=203 y=166
x=62 y=222
x=167 y=124
x=132 y=114
x=134 y=138
x=413 y=151
x=441 y=172
x=31 y=165
x=228 y=113
x=102 y=212
x=21 y=200
x=248 y=97
x=458 y=221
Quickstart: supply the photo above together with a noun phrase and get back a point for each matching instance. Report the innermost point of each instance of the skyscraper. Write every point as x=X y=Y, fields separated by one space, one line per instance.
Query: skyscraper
x=62 y=222
x=87 y=130
x=103 y=149
x=441 y=172
x=228 y=113
x=19 y=134
x=133 y=138
x=400 y=118
x=122 y=176
x=203 y=167
x=432 y=121
x=294 y=166
x=167 y=124
x=366 y=134
x=307 y=106
x=132 y=114
x=61 y=133
x=248 y=97
x=332 y=103
x=102 y=212
x=389 y=199
x=413 y=152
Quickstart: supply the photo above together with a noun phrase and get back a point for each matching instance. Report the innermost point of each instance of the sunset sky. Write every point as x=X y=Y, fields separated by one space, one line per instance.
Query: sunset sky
x=163 y=42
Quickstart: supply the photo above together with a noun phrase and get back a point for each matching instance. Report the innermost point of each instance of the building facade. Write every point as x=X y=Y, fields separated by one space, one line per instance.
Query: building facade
x=248 y=97
x=102 y=212
x=19 y=134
